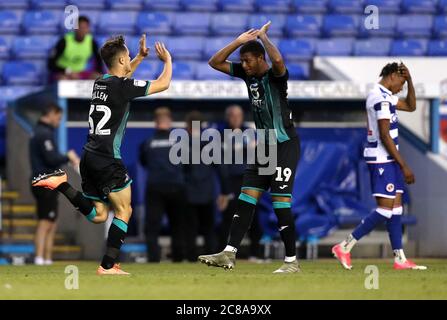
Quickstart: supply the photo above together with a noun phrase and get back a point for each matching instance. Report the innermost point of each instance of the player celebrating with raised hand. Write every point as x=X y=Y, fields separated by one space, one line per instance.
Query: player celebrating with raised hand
x=105 y=182
x=267 y=89
x=387 y=168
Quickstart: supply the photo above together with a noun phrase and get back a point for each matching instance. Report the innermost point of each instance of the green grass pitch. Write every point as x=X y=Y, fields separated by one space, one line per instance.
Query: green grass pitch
x=321 y=279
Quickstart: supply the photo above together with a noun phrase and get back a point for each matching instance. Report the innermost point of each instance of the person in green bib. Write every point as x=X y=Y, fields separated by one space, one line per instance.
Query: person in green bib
x=76 y=55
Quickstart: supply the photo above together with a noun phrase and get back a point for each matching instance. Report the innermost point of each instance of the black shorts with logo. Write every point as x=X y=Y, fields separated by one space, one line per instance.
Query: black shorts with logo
x=281 y=181
x=102 y=175
x=46 y=203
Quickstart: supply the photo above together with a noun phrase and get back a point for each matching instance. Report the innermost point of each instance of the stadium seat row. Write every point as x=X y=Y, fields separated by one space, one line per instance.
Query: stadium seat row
x=35 y=73
x=222 y=24
x=198 y=48
x=278 y=6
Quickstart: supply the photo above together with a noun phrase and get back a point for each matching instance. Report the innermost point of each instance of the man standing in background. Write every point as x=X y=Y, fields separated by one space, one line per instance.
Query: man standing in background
x=73 y=53
x=45 y=158
x=165 y=189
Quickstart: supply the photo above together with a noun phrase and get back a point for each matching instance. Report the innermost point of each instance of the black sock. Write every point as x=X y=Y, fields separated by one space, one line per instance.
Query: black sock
x=83 y=204
x=117 y=234
x=242 y=219
x=286 y=225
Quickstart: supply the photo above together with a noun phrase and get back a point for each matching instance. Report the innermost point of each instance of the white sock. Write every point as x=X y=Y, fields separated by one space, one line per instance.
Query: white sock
x=290 y=259
x=48 y=262
x=39 y=261
x=348 y=244
x=230 y=249
x=399 y=256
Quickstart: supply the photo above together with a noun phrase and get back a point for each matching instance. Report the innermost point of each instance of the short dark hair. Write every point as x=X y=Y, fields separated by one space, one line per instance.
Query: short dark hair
x=193 y=116
x=51 y=107
x=83 y=19
x=253 y=47
x=111 y=48
x=389 y=69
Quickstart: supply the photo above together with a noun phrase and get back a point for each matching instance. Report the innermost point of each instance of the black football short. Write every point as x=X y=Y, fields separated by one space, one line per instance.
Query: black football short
x=102 y=175
x=46 y=203
x=281 y=181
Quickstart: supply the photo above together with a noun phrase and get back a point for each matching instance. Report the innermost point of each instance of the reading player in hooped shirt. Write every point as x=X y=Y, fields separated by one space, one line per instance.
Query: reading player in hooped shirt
x=387 y=168
x=105 y=182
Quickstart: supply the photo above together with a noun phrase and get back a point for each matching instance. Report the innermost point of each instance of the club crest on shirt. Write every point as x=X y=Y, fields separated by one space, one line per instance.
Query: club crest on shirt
x=139 y=83
x=390 y=187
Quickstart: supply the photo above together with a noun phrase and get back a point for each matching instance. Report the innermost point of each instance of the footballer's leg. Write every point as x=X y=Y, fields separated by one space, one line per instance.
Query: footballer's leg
x=383 y=185
x=394 y=227
x=241 y=222
x=383 y=212
x=120 y=202
x=94 y=211
x=281 y=191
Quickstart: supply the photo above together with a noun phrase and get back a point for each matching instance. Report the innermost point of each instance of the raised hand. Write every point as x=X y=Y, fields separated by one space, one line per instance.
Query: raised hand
x=404 y=72
x=264 y=29
x=143 y=51
x=249 y=35
x=162 y=53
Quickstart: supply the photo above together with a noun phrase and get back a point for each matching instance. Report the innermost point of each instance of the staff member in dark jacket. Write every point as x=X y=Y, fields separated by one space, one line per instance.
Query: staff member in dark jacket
x=45 y=158
x=234 y=116
x=201 y=196
x=165 y=189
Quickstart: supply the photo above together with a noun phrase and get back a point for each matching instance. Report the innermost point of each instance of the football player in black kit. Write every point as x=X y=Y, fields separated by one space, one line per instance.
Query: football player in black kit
x=105 y=182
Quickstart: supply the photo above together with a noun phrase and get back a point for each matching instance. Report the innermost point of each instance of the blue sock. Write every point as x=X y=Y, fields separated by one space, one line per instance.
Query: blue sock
x=370 y=222
x=394 y=227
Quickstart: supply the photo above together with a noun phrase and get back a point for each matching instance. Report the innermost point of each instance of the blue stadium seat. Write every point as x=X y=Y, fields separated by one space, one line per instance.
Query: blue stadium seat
x=297 y=49
x=387 y=25
x=303 y=25
x=334 y=47
x=205 y=72
x=440 y=26
x=154 y=22
x=277 y=26
x=48 y=4
x=39 y=22
x=199 y=5
x=273 y=6
x=340 y=25
x=437 y=48
x=5 y=46
x=182 y=70
x=414 y=26
x=236 y=5
x=125 y=4
x=372 y=47
x=16 y=4
x=88 y=4
x=186 y=48
x=385 y=6
x=20 y=73
x=32 y=47
x=10 y=21
x=212 y=45
x=192 y=23
x=298 y=71
x=170 y=5
x=409 y=47
x=346 y=6
x=311 y=6
x=8 y=93
x=111 y=22
x=147 y=70
x=419 y=6
x=442 y=6
x=233 y=24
